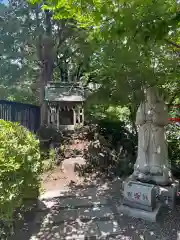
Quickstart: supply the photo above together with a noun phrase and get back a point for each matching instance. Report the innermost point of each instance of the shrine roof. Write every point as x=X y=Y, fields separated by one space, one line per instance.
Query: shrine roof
x=72 y=98
x=64 y=94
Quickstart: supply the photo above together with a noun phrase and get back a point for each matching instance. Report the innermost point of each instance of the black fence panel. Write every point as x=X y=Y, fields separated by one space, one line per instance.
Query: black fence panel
x=26 y=114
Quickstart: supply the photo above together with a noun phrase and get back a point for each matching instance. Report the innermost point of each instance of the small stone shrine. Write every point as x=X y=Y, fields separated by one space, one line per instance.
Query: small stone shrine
x=151 y=186
x=65 y=105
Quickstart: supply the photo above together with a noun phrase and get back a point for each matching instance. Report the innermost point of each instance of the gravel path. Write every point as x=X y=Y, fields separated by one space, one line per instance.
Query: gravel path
x=91 y=209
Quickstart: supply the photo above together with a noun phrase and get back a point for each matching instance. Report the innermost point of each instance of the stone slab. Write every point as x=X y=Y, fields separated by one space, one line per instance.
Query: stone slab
x=108 y=228
x=72 y=202
x=56 y=194
x=69 y=215
x=140 y=193
x=75 y=230
x=167 y=194
x=103 y=212
x=92 y=191
x=46 y=205
x=137 y=213
x=137 y=205
x=82 y=191
x=55 y=217
x=80 y=202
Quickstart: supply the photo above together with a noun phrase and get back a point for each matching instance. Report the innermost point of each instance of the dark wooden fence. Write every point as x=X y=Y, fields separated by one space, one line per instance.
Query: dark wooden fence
x=26 y=114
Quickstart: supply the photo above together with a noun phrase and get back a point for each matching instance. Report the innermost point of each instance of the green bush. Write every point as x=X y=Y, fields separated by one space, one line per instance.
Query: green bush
x=173 y=137
x=112 y=149
x=20 y=168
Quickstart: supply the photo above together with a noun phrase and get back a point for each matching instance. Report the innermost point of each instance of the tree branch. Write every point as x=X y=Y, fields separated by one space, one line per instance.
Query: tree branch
x=66 y=55
x=39 y=63
x=176 y=93
x=172 y=43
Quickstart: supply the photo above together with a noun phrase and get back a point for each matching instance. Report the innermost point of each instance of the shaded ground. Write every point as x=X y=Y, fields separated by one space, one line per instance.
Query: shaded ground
x=93 y=211
x=90 y=210
x=61 y=176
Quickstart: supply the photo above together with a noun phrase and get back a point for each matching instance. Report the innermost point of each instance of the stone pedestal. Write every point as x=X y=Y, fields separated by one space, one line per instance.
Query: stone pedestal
x=167 y=195
x=142 y=214
x=140 y=201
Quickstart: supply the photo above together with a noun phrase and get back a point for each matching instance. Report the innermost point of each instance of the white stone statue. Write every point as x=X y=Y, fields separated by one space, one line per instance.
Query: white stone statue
x=152 y=164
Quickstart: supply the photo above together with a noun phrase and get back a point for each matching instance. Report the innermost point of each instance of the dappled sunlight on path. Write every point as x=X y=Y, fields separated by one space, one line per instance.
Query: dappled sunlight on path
x=61 y=176
x=91 y=210
x=74 y=209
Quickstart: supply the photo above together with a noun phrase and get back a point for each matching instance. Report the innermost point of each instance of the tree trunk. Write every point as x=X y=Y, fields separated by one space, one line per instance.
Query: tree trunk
x=133 y=119
x=47 y=60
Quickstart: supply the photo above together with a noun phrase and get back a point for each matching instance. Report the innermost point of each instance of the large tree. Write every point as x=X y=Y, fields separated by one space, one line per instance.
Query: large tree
x=137 y=44
x=137 y=41
x=36 y=49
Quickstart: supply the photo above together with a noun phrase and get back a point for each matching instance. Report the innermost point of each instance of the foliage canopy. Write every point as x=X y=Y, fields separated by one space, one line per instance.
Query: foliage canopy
x=137 y=43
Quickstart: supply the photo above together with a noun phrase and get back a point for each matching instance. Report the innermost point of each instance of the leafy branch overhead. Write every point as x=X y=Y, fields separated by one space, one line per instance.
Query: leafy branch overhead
x=136 y=41
x=148 y=19
x=30 y=42
x=120 y=45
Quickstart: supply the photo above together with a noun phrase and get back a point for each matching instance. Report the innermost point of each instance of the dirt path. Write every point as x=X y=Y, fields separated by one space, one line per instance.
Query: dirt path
x=62 y=177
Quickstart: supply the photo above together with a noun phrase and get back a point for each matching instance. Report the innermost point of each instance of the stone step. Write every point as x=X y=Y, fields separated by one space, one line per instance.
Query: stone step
x=80 y=231
x=85 y=190
x=69 y=215
x=73 y=203
x=79 y=190
x=67 y=199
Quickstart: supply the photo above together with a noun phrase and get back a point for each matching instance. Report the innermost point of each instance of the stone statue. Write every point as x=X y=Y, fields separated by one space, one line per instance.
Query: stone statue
x=152 y=164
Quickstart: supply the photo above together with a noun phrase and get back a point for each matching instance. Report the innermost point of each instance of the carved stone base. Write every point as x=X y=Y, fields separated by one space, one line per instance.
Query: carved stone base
x=139 y=213
x=137 y=205
x=167 y=195
x=140 y=201
x=161 y=179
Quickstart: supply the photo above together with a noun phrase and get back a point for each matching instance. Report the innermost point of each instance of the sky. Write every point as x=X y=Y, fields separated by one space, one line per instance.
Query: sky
x=4 y=1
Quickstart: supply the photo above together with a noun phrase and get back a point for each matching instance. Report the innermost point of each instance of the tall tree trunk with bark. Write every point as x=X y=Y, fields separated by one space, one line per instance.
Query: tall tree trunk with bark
x=47 y=62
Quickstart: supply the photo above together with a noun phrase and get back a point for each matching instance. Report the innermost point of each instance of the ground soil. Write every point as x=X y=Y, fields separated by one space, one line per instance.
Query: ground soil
x=61 y=177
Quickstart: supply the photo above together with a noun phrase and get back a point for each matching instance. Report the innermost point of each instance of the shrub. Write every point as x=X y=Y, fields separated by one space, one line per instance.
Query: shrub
x=112 y=149
x=50 y=133
x=20 y=168
x=50 y=138
x=173 y=137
